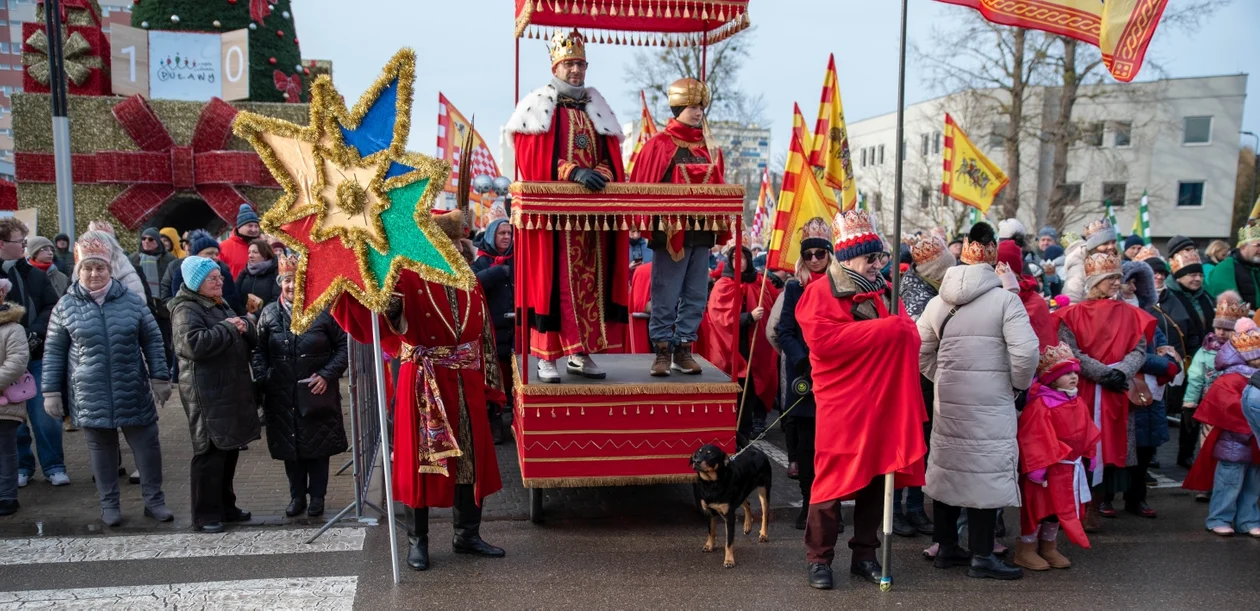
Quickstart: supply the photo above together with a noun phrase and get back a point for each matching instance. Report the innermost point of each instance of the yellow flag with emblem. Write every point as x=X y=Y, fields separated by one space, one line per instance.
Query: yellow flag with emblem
x=969 y=176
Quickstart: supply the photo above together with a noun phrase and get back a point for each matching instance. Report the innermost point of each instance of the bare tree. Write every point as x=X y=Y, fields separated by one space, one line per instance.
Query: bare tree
x=1244 y=188
x=652 y=71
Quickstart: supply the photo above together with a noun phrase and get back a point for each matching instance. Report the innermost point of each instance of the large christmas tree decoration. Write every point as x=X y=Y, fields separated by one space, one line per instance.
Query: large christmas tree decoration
x=84 y=45
x=276 y=70
x=356 y=204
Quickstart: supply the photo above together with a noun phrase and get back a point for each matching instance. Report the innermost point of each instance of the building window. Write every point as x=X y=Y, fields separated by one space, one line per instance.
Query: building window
x=936 y=143
x=925 y=196
x=923 y=147
x=863 y=157
x=881 y=154
x=1124 y=134
x=1072 y=194
x=1092 y=133
x=1113 y=193
x=1198 y=130
x=4 y=47
x=997 y=137
x=5 y=67
x=1190 y=193
x=17 y=48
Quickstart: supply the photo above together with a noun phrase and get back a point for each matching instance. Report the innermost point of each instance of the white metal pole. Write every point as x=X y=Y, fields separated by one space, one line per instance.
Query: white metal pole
x=386 y=455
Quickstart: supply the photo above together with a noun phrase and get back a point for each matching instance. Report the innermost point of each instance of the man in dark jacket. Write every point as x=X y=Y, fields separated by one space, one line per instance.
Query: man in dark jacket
x=63 y=254
x=494 y=269
x=1185 y=313
x=151 y=262
x=33 y=291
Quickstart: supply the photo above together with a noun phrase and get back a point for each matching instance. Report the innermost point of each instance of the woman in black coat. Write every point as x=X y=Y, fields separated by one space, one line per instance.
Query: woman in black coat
x=213 y=346
x=257 y=283
x=301 y=395
x=493 y=267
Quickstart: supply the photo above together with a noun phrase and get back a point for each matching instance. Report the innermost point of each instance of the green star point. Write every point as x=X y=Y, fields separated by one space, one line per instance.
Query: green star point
x=405 y=236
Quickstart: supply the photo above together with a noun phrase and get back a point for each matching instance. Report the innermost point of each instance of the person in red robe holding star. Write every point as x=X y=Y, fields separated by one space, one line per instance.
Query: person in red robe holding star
x=577 y=299
x=679 y=154
x=1055 y=433
x=864 y=359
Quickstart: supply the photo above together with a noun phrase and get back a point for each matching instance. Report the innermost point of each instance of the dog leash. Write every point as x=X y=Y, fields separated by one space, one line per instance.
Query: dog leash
x=802 y=387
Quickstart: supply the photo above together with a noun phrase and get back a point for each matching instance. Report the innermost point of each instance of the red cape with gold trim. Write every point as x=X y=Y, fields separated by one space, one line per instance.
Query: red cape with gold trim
x=1221 y=408
x=720 y=344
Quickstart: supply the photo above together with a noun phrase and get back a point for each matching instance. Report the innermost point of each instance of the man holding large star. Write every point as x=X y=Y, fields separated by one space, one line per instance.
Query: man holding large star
x=579 y=291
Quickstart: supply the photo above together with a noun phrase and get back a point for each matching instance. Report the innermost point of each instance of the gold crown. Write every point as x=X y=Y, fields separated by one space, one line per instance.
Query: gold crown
x=1246 y=342
x=1068 y=239
x=689 y=92
x=1054 y=356
x=288 y=265
x=974 y=253
x=566 y=46
x=924 y=248
x=1147 y=252
x=1232 y=311
x=1102 y=264
x=1184 y=259
x=1096 y=226
x=816 y=228
x=93 y=247
x=850 y=225
x=1249 y=232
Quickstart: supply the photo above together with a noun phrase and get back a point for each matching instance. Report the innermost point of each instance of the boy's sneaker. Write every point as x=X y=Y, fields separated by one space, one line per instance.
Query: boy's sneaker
x=59 y=479
x=23 y=480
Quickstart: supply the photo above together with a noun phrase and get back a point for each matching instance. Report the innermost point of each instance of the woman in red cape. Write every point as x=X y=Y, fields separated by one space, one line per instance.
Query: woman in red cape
x=1109 y=337
x=451 y=330
x=864 y=364
x=724 y=349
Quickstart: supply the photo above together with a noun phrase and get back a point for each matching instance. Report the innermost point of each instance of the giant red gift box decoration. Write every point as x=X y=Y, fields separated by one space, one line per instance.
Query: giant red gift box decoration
x=85 y=48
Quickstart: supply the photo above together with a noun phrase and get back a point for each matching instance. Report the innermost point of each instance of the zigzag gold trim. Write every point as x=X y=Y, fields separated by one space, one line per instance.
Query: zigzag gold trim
x=625 y=390
x=622 y=480
x=718 y=403
x=711 y=429
x=607 y=458
x=520 y=188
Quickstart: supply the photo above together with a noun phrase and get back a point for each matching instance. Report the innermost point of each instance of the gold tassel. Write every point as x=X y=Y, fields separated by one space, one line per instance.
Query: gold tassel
x=722 y=14
x=704 y=16
x=631 y=12
x=613 y=11
x=668 y=13
x=623 y=224
x=686 y=11
x=606 y=227
x=679 y=223
x=529 y=223
x=568 y=223
x=623 y=411
x=586 y=227
x=549 y=225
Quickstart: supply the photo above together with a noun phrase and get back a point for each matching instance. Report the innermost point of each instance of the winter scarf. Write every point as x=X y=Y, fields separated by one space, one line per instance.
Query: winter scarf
x=99 y=296
x=260 y=267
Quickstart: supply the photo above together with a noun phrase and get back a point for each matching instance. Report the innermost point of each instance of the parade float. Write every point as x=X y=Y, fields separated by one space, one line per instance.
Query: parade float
x=629 y=428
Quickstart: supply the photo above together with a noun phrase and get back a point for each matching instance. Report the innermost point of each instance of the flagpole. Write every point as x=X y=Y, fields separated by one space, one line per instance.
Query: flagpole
x=885 y=582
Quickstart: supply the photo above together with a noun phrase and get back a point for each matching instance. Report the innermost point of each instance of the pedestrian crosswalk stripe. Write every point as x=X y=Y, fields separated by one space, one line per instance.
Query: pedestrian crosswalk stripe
x=252 y=542
x=301 y=593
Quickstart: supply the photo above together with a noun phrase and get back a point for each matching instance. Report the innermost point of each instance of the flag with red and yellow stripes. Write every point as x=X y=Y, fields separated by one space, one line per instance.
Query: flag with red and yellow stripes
x=647 y=129
x=801 y=199
x=969 y=176
x=452 y=125
x=800 y=130
x=1122 y=29
x=830 y=149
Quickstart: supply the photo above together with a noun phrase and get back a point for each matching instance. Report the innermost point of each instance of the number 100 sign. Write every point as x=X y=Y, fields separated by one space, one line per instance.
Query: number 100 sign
x=190 y=66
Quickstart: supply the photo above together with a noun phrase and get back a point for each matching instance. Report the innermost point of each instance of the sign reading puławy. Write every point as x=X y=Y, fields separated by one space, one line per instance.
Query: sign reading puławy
x=190 y=66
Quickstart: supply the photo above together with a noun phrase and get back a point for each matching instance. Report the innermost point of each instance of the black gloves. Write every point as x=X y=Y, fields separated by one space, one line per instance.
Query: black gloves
x=1021 y=399
x=1115 y=381
x=589 y=178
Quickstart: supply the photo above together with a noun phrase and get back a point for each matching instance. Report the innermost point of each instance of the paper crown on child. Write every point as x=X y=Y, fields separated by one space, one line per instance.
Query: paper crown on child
x=1186 y=262
x=1056 y=361
x=1147 y=252
x=974 y=253
x=91 y=247
x=566 y=46
x=288 y=265
x=1100 y=265
x=1099 y=232
x=1246 y=339
x=925 y=248
x=854 y=235
x=1228 y=313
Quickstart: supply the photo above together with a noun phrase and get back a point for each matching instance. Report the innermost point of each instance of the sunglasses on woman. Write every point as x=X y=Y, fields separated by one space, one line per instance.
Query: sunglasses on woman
x=814 y=254
x=878 y=257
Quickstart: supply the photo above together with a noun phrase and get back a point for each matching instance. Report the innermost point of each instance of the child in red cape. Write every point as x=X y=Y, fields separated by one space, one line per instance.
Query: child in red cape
x=1055 y=434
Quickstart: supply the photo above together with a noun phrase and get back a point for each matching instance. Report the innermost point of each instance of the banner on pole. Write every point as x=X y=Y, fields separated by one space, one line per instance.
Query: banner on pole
x=969 y=176
x=801 y=199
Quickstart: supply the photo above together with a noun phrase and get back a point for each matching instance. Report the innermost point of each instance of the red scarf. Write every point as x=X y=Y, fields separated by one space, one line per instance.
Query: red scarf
x=43 y=266
x=497 y=259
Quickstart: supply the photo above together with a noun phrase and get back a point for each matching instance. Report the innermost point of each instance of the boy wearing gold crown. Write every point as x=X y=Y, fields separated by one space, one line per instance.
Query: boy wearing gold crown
x=577 y=302
x=679 y=154
x=1055 y=433
x=1229 y=463
x=1240 y=271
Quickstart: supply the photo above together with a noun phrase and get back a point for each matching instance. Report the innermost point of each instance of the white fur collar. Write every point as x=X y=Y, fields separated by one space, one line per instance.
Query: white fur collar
x=534 y=114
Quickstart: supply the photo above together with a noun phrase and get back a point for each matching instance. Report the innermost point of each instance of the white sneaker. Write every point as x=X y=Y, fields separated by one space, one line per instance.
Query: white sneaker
x=59 y=479
x=23 y=480
x=584 y=365
x=547 y=372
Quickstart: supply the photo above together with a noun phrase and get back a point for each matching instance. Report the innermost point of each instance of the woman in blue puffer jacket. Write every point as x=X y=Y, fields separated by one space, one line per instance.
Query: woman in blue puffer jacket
x=104 y=359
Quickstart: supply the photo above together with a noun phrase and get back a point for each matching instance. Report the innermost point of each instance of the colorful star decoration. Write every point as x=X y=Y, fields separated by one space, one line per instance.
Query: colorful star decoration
x=356 y=203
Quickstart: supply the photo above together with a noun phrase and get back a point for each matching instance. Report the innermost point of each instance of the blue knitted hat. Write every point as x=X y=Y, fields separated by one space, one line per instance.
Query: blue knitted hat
x=199 y=240
x=245 y=215
x=195 y=270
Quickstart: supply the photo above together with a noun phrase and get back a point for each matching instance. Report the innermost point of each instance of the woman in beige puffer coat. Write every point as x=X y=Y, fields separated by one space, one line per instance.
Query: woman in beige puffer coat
x=14 y=354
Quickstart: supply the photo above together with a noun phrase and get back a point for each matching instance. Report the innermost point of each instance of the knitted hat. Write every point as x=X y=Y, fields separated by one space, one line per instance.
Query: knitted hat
x=1246 y=339
x=91 y=247
x=105 y=226
x=980 y=246
x=1100 y=266
x=199 y=240
x=1179 y=243
x=1098 y=233
x=288 y=266
x=1185 y=263
x=1157 y=264
x=854 y=235
x=1010 y=254
x=35 y=243
x=931 y=256
x=815 y=234
x=245 y=215
x=1009 y=228
x=1229 y=313
x=1133 y=240
x=1052 y=252
x=1056 y=362
x=1249 y=232
x=196 y=270
x=1048 y=232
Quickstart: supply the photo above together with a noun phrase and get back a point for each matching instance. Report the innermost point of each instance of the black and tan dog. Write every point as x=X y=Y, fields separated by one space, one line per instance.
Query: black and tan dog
x=725 y=485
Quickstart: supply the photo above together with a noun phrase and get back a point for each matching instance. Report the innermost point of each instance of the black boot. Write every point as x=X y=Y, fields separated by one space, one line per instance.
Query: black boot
x=819 y=576
x=468 y=525
x=418 y=556
x=317 y=507
x=992 y=568
x=296 y=506
x=951 y=554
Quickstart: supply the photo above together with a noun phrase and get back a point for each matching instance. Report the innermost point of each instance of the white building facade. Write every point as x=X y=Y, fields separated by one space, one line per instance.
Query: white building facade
x=1177 y=140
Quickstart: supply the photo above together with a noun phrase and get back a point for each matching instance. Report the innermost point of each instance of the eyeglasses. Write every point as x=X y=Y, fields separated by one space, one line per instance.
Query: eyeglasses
x=218 y=279
x=22 y=241
x=147 y=239
x=574 y=64
x=878 y=257
x=814 y=254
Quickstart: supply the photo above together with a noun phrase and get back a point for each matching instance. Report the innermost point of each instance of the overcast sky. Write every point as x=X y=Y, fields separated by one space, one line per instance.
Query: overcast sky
x=465 y=50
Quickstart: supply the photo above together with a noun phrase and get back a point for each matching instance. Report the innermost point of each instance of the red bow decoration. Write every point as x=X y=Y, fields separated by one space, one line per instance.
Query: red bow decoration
x=259 y=10
x=161 y=168
x=291 y=84
x=65 y=6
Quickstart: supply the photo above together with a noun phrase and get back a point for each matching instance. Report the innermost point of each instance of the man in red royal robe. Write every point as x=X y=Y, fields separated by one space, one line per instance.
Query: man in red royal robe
x=864 y=363
x=679 y=154
x=577 y=298
x=443 y=452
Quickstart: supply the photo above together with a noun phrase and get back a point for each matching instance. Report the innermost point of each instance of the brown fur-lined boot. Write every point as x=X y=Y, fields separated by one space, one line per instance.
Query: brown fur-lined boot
x=684 y=362
x=1050 y=551
x=660 y=367
x=1093 y=519
x=1026 y=556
